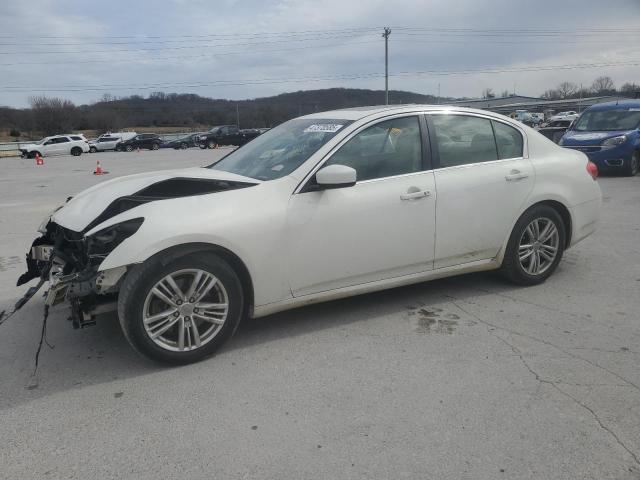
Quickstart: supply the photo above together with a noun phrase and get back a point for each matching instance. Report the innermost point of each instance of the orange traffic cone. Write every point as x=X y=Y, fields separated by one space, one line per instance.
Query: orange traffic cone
x=99 y=170
x=39 y=160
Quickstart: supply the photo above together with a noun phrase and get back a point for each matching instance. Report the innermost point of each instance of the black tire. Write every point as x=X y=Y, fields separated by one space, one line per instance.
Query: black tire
x=184 y=146
x=33 y=154
x=202 y=145
x=93 y=149
x=76 y=151
x=633 y=166
x=142 y=278
x=512 y=267
x=129 y=148
x=211 y=144
x=155 y=146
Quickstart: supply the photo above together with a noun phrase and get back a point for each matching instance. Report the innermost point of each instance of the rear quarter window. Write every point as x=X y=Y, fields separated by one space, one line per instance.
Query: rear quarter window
x=508 y=140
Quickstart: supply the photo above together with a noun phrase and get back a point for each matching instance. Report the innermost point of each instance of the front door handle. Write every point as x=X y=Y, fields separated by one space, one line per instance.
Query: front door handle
x=515 y=175
x=415 y=195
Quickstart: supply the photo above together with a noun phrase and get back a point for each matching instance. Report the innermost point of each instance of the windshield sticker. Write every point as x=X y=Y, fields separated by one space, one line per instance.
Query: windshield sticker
x=324 y=128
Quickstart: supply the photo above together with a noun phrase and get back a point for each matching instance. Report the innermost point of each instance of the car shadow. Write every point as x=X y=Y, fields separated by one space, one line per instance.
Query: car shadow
x=101 y=354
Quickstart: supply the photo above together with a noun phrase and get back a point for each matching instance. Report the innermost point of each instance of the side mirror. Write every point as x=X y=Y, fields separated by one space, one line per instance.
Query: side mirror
x=335 y=176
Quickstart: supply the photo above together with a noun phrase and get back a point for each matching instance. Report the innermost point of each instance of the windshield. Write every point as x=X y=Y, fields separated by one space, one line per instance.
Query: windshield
x=282 y=149
x=608 y=120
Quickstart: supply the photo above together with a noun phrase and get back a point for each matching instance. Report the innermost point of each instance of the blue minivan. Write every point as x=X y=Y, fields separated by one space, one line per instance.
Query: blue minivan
x=609 y=134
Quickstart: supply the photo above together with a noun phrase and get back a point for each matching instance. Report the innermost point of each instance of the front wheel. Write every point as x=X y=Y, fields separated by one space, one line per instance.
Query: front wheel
x=180 y=310
x=76 y=151
x=155 y=146
x=535 y=247
x=212 y=144
x=129 y=148
x=93 y=150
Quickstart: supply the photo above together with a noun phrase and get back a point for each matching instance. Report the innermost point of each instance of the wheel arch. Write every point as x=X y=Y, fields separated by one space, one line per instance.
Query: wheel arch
x=564 y=213
x=171 y=253
x=558 y=206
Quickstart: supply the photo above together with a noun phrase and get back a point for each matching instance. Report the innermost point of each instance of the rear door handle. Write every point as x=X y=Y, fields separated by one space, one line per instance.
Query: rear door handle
x=515 y=175
x=415 y=195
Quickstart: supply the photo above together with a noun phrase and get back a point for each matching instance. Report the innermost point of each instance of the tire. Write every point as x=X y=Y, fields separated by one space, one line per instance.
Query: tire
x=155 y=146
x=129 y=148
x=33 y=154
x=631 y=170
x=137 y=301
x=93 y=149
x=76 y=151
x=522 y=270
x=184 y=146
x=202 y=145
x=211 y=144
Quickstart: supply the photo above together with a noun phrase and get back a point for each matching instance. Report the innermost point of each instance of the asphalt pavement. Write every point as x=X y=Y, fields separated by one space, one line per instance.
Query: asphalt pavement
x=464 y=378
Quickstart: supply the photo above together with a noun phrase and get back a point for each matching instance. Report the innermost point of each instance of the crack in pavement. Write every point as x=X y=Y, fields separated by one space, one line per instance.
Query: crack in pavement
x=541 y=380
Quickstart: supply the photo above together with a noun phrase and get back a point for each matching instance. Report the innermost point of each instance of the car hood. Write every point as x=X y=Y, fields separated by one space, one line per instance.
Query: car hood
x=108 y=199
x=574 y=137
x=29 y=146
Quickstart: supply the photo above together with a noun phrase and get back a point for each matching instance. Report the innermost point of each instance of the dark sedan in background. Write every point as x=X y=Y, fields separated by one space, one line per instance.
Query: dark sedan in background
x=183 y=142
x=150 y=141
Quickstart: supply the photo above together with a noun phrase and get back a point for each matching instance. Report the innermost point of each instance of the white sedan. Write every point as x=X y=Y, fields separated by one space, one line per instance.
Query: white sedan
x=321 y=207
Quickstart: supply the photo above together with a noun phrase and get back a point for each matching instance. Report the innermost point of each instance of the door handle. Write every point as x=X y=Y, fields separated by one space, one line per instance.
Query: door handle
x=415 y=195
x=515 y=175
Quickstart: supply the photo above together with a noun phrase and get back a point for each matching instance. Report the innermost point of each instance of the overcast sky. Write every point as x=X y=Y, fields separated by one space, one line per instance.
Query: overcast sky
x=90 y=48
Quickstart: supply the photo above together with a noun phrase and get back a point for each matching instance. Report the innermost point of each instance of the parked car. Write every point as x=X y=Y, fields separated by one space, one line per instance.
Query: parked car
x=608 y=134
x=183 y=142
x=73 y=144
x=321 y=207
x=555 y=130
x=109 y=141
x=226 y=135
x=150 y=141
x=570 y=115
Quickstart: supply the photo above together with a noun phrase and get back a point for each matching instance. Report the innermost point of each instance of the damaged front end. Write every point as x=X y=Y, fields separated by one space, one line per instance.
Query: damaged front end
x=69 y=261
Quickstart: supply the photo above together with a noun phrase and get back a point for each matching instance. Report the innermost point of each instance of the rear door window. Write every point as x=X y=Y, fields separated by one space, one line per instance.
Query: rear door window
x=463 y=139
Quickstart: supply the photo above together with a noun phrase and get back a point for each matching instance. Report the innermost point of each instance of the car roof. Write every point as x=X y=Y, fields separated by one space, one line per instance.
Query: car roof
x=616 y=105
x=358 y=113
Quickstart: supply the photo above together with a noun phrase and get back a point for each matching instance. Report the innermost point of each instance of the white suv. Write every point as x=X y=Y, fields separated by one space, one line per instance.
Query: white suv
x=74 y=144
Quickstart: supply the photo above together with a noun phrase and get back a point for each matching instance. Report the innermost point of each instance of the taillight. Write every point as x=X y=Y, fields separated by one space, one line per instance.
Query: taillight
x=592 y=169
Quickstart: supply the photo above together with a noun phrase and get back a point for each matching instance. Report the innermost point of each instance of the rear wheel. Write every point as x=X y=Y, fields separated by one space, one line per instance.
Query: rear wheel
x=535 y=247
x=181 y=310
x=634 y=165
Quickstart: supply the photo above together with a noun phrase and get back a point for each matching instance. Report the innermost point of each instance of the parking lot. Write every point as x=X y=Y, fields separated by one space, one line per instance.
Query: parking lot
x=469 y=377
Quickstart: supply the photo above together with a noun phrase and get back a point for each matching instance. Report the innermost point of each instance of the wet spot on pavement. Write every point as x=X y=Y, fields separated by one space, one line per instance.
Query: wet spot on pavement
x=9 y=262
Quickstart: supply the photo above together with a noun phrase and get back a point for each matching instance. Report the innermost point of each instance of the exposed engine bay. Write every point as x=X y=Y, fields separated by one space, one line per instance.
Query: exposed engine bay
x=69 y=260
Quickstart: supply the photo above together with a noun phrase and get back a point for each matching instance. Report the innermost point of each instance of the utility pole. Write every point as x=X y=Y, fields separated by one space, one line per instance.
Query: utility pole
x=438 y=98
x=237 y=115
x=387 y=32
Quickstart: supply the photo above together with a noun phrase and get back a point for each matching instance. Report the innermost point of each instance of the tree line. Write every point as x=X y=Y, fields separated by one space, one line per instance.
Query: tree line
x=51 y=115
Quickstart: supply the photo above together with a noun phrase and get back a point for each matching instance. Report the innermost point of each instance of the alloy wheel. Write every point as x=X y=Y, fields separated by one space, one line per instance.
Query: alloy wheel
x=185 y=310
x=538 y=247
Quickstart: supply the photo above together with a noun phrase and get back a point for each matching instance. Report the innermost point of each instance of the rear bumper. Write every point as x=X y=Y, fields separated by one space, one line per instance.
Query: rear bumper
x=584 y=219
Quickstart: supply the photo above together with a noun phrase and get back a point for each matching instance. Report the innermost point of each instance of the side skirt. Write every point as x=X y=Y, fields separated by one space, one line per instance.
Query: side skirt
x=477 y=266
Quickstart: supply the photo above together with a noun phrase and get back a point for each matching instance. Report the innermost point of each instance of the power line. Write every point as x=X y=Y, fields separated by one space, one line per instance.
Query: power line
x=188 y=47
x=185 y=57
x=224 y=83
